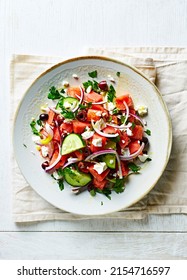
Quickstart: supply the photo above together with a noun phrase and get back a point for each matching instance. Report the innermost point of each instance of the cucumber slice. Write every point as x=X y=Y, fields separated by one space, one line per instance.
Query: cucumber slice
x=76 y=178
x=68 y=103
x=110 y=160
x=71 y=143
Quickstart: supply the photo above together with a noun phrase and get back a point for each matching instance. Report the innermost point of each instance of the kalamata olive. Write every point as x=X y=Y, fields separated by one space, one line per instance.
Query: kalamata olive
x=82 y=115
x=44 y=117
x=145 y=141
x=87 y=151
x=103 y=86
x=45 y=164
x=60 y=119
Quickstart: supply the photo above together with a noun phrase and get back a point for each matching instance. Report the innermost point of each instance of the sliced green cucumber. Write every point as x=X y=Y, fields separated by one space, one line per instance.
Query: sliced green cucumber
x=76 y=178
x=71 y=143
x=110 y=160
x=68 y=103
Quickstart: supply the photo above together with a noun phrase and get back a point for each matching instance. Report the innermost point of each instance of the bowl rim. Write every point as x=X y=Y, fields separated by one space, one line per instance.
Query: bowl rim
x=105 y=58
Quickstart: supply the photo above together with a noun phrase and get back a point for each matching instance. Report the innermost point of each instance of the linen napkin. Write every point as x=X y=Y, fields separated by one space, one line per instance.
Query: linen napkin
x=167 y=67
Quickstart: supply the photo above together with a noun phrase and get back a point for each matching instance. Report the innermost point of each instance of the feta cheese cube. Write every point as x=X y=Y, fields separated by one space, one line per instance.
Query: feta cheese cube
x=142 y=110
x=100 y=167
x=97 y=142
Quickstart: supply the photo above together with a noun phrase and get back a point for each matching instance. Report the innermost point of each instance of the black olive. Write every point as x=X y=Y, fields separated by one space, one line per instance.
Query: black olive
x=103 y=86
x=87 y=151
x=82 y=115
x=145 y=141
x=44 y=117
x=45 y=164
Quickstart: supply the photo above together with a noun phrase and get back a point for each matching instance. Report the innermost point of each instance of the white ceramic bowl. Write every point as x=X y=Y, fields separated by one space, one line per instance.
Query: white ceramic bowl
x=142 y=91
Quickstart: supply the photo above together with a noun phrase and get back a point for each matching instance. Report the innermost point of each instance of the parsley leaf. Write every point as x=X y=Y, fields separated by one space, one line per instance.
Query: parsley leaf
x=107 y=192
x=148 y=132
x=118 y=74
x=135 y=168
x=133 y=125
x=119 y=185
x=60 y=172
x=54 y=93
x=93 y=84
x=93 y=192
x=61 y=184
x=111 y=94
x=93 y=74
x=34 y=130
x=115 y=111
x=39 y=122
x=88 y=105
x=67 y=114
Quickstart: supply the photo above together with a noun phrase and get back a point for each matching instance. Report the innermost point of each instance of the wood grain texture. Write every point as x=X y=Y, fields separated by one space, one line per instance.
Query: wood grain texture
x=56 y=245
x=66 y=28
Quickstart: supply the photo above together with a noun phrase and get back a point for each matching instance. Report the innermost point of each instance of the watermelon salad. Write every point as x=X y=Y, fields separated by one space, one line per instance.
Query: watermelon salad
x=91 y=137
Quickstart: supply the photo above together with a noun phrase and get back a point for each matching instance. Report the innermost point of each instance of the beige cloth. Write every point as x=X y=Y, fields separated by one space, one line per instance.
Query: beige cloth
x=168 y=68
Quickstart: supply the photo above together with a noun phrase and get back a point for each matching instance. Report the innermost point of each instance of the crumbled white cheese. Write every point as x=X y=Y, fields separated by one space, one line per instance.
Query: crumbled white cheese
x=75 y=76
x=142 y=110
x=129 y=132
x=100 y=124
x=36 y=139
x=109 y=106
x=111 y=79
x=44 y=151
x=97 y=142
x=98 y=114
x=65 y=83
x=89 y=89
x=100 y=167
x=125 y=152
x=143 y=157
x=87 y=134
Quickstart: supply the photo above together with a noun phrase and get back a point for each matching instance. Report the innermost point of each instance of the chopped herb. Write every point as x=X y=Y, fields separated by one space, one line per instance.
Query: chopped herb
x=53 y=177
x=115 y=111
x=101 y=203
x=116 y=139
x=133 y=125
x=60 y=172
x=67 y=114
x=24 y=145
x=111 y=94
x=122 y=119
x=148 y=132
x=88 y=105
x=107 y=192
x=118 y=74
x=93 y=84
x=54 y=93
x=61 y=184
x=135 y=168
x=93 y=74
x=119 y=185
x=39 y=122
x=62 y=90
x=93 y=192
x=34 y=130
x=110 y=119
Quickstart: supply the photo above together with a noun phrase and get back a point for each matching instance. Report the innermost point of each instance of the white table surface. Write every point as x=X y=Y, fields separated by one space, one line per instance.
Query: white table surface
x=65 y=28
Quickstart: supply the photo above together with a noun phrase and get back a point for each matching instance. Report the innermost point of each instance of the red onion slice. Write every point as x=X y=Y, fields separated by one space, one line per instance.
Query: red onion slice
x=138 y=118
x=102 y=133
x=104 y=152
x=117 y=126
x=134 y=155
x=80 y=101
x=127 y=111
x=50 y=167
x=71 y=161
